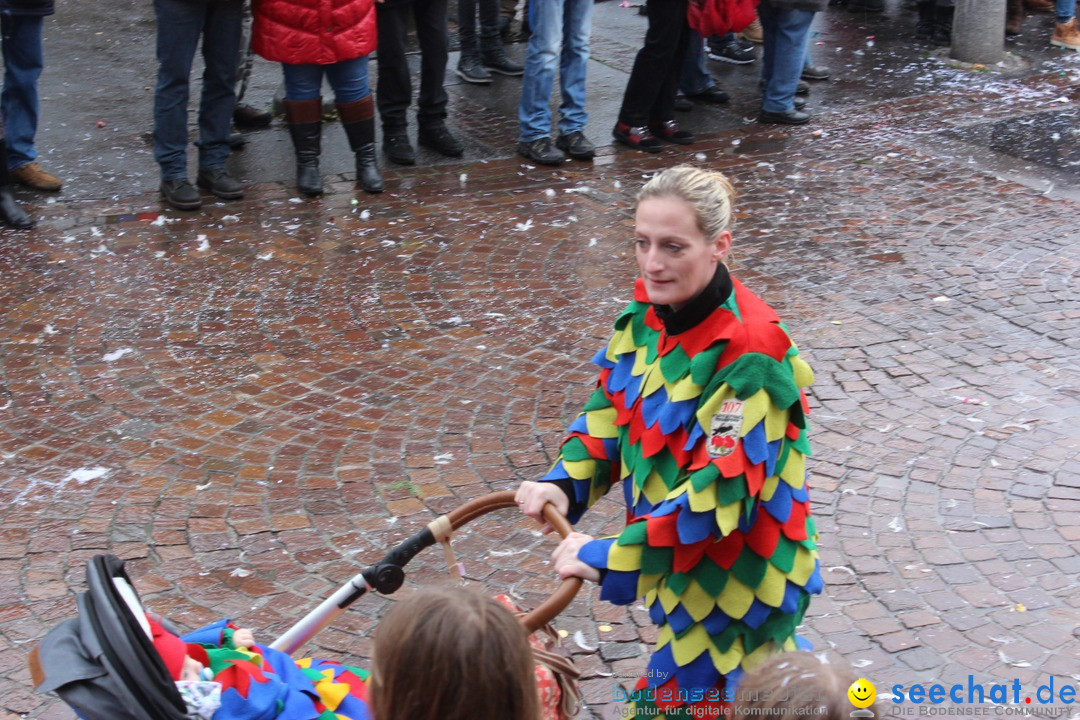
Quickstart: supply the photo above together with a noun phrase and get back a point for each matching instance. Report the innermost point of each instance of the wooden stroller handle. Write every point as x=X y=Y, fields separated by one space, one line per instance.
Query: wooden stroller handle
x=558 y=600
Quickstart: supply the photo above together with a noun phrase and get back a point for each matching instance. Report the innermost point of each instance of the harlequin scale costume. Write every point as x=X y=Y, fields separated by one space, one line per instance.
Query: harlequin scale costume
x=701 y=414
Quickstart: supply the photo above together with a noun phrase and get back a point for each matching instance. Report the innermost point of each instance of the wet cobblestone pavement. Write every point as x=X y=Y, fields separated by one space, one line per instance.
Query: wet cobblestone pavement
x=252 y=402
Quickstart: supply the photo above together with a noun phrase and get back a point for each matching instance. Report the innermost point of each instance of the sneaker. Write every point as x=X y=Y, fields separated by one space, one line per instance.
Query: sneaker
x=219 y=182
x=671 y=132
x=440 y=139
x=398 y=149
x=753 y=32
x=639 y=138
x=34 y=177
x=497 y=61
x=576 y=145
x=246 y=116
x=731 y=52
x=541 y=151
x=471 y=70
x=181 y=194
x=1066 y=36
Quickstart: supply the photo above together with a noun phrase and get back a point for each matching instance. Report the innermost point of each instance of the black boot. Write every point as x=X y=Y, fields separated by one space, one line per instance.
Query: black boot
x=924 y=27
x=943 y=18
x=10 y=213
x=305 y=127
x=358 y=119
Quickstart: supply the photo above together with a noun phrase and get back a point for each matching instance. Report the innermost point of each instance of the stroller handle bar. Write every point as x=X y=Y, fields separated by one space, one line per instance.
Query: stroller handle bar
x=387 y=575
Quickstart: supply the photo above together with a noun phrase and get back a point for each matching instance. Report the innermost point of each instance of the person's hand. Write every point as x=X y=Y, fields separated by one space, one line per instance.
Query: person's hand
x=243 y=637
x=532 y=496
x=566 y=562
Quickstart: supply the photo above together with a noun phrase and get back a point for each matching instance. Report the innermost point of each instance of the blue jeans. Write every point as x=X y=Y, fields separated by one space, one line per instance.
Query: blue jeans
x=349 y=78
x=180 y=25
x=1064 y=9
x=786 y=32
x=555 y=22
x=694 y=78
x=23 y=62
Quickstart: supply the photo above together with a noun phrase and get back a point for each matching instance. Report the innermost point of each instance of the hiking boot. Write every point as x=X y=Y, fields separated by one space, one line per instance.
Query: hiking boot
x=219 y=182
x=541 y=151
x=753 y=32
x=34 y=177
x=576 y=145
x=246 y=116
x=471 y=70
x=440 y=139
x=398 y=149
x=1066 y=36
x=181 y=194
x=496 y=60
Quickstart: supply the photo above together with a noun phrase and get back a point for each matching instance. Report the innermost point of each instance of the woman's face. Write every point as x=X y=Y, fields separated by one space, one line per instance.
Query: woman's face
x=676 y=260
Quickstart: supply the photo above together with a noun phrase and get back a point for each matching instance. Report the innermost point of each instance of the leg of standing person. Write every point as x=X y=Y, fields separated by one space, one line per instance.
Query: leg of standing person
x=220 y=48
x=809 y=70
x=492 y=52
x=303 y=113
x=576 y=47
x=179 y=24
x=694 y=80
x=541 y=59
x=784 y=53
x=24 y=59
x=246 y=115
x=349 y=78
x=1066 y=33
x=469 y=68
x=394 y=89
x=432 y=34
x=650 y=91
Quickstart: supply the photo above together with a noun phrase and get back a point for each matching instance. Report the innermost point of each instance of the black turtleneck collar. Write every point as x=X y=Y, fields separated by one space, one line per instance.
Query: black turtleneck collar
x=713 y=296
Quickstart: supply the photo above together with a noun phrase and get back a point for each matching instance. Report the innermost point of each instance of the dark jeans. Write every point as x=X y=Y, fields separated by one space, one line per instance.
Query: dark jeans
x=488 y=37
x=650 y=92
x=394 y=91
x=180 y=25
x=23 y=62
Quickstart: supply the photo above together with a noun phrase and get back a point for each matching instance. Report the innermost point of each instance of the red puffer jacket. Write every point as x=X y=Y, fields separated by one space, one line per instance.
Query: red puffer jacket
x=313 y=32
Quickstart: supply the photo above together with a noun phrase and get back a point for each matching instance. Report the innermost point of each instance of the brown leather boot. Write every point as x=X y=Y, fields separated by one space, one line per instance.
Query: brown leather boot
x=305 y=128
x=1014 y=15
x=358 y=119
x=1066 y=35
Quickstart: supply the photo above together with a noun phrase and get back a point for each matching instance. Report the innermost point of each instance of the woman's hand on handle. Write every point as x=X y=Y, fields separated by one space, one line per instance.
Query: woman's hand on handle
x=566 y=562
x=532 y=496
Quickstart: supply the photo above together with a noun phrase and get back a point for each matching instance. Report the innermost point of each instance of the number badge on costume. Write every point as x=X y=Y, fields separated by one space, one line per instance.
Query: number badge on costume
x=724 y=429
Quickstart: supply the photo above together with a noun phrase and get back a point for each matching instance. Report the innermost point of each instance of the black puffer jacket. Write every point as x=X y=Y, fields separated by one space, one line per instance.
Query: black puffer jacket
x=811 y=5
x=27 y=7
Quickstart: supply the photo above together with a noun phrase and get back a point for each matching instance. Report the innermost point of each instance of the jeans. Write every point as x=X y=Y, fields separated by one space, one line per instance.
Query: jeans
x=1064 y=9
x=786 y=32
x=180 y=25
x=23 y=63
x=553 y=23
x=654 y=79
x=395 y=84
x=349 y=78
x=694 y=79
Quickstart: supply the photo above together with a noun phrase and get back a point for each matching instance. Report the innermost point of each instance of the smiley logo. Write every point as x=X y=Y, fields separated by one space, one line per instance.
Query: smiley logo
x=862 y=693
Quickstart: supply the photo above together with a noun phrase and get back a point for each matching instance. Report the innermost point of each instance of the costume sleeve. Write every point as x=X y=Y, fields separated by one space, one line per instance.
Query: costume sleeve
x=733 y=527
x=588 y=461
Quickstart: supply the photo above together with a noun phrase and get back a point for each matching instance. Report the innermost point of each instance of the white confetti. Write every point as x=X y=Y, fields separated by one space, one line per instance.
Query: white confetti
x=549 y=192
x=266 y=255
x=391 y=521
x=842 y=568
x=896 y=525
x=86 y=474
x=239 y=572
x=365 y=214
x=463 y=178
x=522 y=227
x=700 y=157
x=941 y=299
x=579 y=638
x=592 y=242
x=230 y=219
x=861 y=663
x=49 y=330
x=204 y=244
x=116 y=354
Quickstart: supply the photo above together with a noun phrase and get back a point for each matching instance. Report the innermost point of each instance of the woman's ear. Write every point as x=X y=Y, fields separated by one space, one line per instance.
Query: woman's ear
x=721 y=245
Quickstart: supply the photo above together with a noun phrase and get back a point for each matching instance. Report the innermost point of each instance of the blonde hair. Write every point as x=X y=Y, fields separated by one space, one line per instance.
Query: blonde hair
x=708 y=192
x=452 y=653
x=798 y=683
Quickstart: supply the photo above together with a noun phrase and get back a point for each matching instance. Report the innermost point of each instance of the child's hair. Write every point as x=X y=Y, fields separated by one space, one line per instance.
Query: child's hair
x=453 y=654
x=708 y=192
x=798 y=684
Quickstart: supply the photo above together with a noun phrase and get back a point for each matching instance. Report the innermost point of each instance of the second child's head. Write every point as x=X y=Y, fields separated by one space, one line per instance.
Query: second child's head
x=799 y=684
x=453 y=654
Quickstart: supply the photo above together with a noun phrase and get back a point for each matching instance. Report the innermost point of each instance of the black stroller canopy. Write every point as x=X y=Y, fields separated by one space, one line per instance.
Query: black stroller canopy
x=103 y=663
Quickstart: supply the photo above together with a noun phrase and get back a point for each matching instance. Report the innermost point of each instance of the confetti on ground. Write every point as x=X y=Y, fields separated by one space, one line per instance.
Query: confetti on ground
x=116 y=354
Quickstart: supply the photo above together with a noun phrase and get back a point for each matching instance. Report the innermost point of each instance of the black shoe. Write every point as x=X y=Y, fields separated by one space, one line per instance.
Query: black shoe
x=542 y=152
x=471 y=70
x=10 y=213
x=246 y=116
x=181 y=194
x=398 y=148
x=639 y=138
x=439 y=139
x=682 y=104
x=219 y=182
x=792 y=117
x=870 y=6
x=576 y=145
x=731 y=52
x=496 y=60
x=671 y=132
x=813 y=72
x=800 y=102
x=712 y=96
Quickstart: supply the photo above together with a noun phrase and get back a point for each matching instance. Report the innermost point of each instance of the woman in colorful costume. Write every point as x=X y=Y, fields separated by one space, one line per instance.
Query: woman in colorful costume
x=700 y=412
